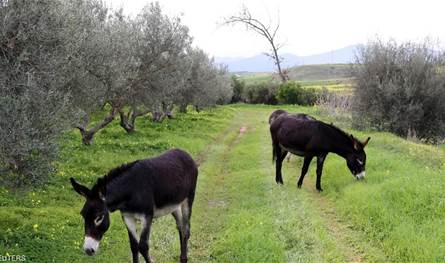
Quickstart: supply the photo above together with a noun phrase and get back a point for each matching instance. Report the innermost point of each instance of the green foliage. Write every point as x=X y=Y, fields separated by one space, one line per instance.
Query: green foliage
x=261 y=93
x=400 y=88
x=293 y=93
x=238 y=89
x=33 y=108
x=62 y=61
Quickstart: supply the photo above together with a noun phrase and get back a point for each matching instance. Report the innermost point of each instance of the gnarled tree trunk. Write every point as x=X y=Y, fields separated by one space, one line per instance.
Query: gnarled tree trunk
x=88 y=134
x=158 y=116
x=128 y=120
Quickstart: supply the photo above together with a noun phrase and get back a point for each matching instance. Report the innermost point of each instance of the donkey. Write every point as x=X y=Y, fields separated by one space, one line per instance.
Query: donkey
x=141 y=190
x=279 y=113
x=310 y=138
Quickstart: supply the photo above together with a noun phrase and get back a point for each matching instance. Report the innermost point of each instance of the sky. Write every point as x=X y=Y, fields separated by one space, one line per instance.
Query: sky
x=307 y=27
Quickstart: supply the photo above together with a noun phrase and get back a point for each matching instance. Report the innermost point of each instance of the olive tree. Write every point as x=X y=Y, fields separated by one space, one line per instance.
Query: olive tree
x=160 y=51
x=207 y=83
x=34 y=107
x=103 y=55
x=400 y=88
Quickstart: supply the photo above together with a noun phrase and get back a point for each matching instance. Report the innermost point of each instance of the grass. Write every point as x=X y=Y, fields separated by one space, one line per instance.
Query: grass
x=258 y=78
x=45 y=224
x=320 y=72
x=240 y=214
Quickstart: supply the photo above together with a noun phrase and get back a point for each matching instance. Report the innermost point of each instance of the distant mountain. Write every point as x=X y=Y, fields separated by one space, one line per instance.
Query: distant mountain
x=262 y=63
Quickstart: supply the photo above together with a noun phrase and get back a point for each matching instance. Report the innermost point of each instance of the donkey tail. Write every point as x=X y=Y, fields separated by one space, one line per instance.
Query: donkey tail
x=275 y=148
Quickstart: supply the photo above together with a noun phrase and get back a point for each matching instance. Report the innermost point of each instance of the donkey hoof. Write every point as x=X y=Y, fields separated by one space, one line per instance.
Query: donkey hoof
x=319 y=189
x=299 y=185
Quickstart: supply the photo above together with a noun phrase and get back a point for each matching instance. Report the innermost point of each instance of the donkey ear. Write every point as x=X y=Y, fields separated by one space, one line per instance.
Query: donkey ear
x=102 y=188
x=366 y=142
x=355 y=143
x=82 y=190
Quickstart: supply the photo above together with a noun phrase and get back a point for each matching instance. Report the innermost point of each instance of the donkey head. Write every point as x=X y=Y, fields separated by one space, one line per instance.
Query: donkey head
x=95 y=214
x=356 y=160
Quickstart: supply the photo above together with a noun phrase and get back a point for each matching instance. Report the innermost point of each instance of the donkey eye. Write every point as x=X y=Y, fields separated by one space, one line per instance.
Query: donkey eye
x=98 y=220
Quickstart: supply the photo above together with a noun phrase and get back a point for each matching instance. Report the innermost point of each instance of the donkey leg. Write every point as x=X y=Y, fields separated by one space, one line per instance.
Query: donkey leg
x=279 y=162
x=307 y=161
x=320 y=162
x=130 y=222
x=182 y=217
x=144 y=239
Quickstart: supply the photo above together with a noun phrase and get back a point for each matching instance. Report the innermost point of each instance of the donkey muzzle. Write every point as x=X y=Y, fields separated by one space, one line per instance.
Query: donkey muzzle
x=90 y=245
x=360 y=175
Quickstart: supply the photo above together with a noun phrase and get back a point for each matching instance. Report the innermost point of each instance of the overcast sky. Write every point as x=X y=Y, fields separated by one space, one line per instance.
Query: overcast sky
x=307 y=26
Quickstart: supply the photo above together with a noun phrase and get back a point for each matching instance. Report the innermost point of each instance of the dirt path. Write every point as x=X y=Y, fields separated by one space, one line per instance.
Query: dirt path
x=302 y=224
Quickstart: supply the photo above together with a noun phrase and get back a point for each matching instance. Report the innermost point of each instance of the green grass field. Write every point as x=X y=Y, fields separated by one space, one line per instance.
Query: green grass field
x=333 y=77
x=240 y=214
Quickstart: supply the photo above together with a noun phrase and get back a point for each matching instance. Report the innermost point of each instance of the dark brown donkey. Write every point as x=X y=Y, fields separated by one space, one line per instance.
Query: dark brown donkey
x=141 y=190
x=310 y=138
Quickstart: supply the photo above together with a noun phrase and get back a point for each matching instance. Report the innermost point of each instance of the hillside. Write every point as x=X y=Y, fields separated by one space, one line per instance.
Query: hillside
x=308 y=74
x=262 y=63
x=320 y=72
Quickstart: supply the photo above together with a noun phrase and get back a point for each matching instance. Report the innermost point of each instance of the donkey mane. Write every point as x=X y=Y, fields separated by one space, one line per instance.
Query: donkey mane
x=339 y=130
x=112 y=175
x=331 y=125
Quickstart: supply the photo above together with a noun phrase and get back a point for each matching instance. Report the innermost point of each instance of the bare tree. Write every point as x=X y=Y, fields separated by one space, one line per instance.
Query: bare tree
x=266 y=30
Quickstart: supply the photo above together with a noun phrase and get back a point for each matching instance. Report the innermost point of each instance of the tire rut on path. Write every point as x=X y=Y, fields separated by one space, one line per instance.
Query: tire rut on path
x=211 y=192
x=338 y=229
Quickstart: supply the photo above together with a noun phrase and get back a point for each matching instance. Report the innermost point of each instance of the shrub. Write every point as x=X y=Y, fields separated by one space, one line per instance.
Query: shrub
x=335 y=103
x=261 y=93
x=238 y=89
x=400 y=88
x=293 y=93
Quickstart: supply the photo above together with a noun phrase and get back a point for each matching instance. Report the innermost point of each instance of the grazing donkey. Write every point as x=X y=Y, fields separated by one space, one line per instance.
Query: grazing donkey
x=141 y=190
x=310 y=138
x=279 y=113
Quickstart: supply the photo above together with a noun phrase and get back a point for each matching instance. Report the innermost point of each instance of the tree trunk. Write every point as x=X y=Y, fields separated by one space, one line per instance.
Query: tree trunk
x=157 y=116
x=197 y=108
x=128 y=121
x=183 y=108
x=167 y=109
x=88 y=135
